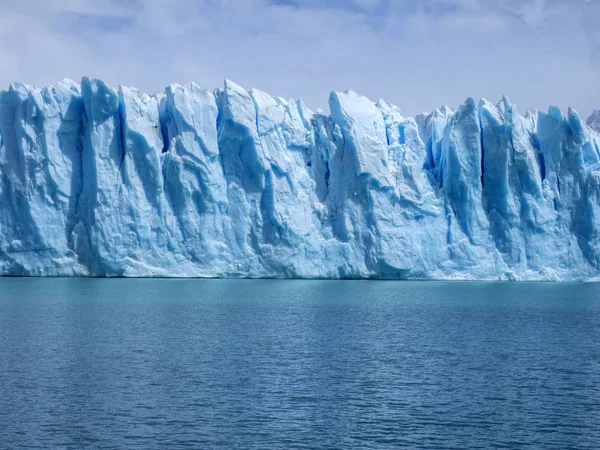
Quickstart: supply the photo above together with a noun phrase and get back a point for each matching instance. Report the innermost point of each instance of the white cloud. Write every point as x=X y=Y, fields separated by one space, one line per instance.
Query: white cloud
x=417 y=54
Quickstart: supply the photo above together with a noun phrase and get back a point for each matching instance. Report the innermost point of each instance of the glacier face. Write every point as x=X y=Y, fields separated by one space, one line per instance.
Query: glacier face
x=96 y=181
x=594 y=121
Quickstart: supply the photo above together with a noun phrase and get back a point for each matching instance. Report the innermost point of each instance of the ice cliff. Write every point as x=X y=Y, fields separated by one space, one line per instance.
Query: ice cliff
x=594 y=121
x=96 y=181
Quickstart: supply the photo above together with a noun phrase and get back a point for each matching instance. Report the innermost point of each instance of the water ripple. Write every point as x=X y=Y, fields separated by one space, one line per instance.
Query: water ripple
x=147 y=364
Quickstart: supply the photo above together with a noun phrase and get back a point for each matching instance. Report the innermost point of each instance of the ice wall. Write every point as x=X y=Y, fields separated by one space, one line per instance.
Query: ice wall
x=97 y=181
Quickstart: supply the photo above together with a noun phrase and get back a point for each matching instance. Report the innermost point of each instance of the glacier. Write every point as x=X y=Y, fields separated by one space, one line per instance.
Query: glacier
x=594 y=121
x=113 y=182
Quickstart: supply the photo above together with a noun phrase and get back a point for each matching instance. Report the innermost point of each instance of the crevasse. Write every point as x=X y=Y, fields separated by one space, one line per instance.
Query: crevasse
x=96 y=181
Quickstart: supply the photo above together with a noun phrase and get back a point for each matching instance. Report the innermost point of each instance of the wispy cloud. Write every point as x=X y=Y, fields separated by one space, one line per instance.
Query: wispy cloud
x=415 y=53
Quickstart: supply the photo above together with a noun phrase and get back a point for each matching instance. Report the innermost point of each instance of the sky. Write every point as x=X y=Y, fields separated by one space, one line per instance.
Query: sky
x=417 y=54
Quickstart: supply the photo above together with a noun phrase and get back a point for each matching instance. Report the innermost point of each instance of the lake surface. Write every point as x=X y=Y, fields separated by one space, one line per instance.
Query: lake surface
x=160 y=364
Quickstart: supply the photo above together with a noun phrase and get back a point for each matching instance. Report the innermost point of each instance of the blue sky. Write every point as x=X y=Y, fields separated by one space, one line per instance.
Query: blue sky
x=415 y=54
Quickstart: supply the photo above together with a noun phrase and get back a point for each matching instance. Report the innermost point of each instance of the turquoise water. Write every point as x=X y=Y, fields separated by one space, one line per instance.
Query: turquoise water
x=298 y=364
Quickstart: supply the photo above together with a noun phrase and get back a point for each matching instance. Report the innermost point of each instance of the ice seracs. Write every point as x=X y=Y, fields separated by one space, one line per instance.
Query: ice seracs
x=101 y=181
x=594 y=121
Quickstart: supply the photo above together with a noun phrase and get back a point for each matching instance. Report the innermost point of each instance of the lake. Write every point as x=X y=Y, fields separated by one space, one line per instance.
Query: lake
x=144 y=364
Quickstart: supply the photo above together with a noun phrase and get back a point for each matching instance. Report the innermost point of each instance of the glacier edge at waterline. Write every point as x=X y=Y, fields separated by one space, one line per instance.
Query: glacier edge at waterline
x=97 y=181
